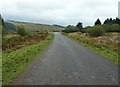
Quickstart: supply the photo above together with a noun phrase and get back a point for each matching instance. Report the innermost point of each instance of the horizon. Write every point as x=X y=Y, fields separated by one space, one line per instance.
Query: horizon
x=47 y=24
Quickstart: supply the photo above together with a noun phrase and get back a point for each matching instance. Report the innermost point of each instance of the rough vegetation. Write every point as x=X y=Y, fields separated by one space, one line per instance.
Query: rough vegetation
x=96 y=31
x=106 y=45
x=15 y=61
x=102 y=38
x=21 y=31
x=21 y=46
x=71 y=28
x=14 y=43
x=109 y=25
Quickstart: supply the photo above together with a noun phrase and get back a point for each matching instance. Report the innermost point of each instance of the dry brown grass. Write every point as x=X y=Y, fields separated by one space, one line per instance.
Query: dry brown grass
x=110 y=40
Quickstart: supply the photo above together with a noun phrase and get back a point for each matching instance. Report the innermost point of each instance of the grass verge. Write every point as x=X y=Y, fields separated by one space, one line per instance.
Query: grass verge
x=106 y=52
x=14 y=62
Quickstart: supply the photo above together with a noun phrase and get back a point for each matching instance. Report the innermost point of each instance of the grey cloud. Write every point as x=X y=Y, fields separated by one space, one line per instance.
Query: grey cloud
x=62 y=12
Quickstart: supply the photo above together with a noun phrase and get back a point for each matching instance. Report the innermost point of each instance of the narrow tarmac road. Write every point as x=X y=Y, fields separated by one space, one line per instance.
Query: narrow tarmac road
x=66 y=62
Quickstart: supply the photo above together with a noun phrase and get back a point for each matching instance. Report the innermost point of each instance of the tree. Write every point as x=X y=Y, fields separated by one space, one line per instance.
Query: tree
x=112 y=21
x=98 y=22
x=21 y=31
x=107 y=21
x=69 y=28
x=79 y=26
x=117 y=21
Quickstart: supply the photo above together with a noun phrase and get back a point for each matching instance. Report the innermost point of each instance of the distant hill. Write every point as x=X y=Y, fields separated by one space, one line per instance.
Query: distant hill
x=7 y=26
x=10 y=26
x=36 y=27
x=59 y=26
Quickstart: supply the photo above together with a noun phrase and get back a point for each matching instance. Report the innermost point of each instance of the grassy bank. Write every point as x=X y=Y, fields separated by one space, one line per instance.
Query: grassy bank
x=16 y=61
x=103 y=50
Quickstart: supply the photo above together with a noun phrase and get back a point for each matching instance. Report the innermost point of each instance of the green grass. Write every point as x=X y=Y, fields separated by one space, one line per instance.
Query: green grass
x=106 y=52
x=16 y=61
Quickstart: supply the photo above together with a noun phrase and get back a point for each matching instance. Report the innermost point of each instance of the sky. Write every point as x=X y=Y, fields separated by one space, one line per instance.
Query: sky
x=61 y=12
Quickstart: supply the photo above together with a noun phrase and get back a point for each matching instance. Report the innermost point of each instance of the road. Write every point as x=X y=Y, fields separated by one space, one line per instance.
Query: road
x=66 y=62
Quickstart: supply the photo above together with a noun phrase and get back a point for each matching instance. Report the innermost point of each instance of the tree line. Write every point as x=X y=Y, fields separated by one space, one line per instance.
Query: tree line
x=109 y=25
x=108 y=21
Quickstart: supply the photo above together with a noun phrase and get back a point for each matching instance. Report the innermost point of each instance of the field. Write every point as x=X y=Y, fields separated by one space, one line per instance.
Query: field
x=106 y=45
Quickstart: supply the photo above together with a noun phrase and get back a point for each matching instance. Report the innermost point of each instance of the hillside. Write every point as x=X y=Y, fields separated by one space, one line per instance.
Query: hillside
x=10 y=26
x=6 y=26
x=59 y=26
x=36 y=27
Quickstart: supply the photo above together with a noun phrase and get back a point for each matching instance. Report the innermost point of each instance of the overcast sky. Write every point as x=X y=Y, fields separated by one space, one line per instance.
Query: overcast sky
x=62 y=12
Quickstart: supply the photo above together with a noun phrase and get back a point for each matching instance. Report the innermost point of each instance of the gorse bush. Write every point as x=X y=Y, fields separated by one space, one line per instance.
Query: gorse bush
x=96 y=31
x=77 y=28
x=21 y=31
x=70 y=29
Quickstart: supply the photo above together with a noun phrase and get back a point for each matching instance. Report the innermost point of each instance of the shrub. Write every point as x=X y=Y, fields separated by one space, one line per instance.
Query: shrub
x=70 y=29
x=115 y=28
x=111 y=28
x=96 y=31
x=21 y=31
x=107 y=28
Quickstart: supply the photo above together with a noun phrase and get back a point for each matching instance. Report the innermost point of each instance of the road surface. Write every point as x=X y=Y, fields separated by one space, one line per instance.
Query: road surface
x=66 y=62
